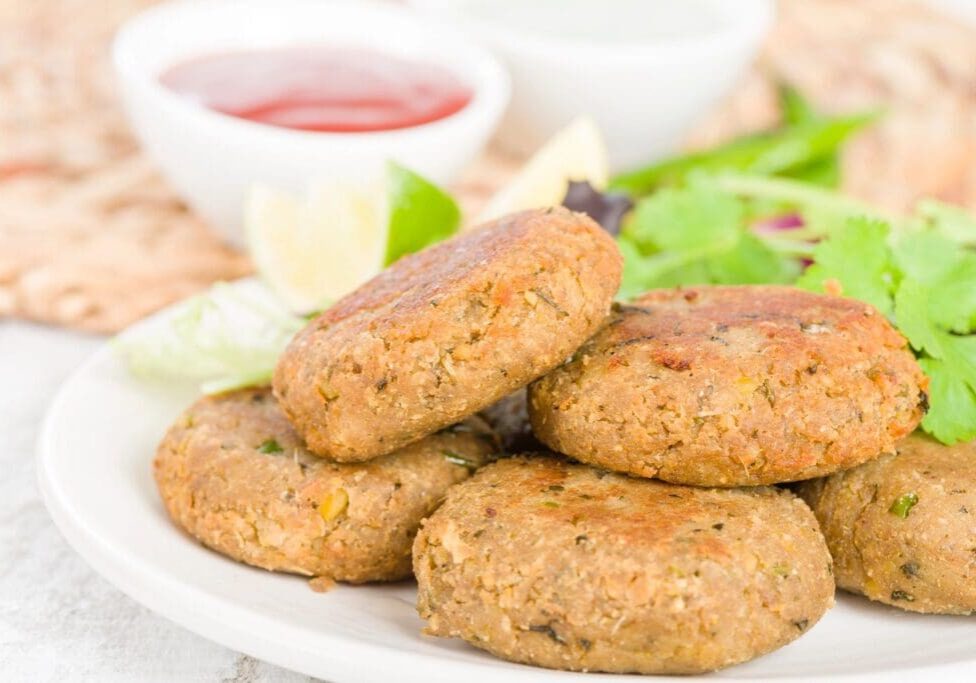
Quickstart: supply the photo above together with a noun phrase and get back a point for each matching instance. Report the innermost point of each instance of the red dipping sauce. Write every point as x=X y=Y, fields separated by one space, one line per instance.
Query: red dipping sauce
x=329 y=89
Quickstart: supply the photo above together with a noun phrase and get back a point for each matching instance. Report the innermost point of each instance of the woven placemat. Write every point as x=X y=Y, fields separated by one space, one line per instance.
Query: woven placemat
x=92 y=239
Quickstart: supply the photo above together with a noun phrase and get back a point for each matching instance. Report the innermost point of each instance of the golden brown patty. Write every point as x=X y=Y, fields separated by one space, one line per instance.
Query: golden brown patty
x=902 y=528
x=561 y=565
x=733 y=386
x=233 y=473
x=446 y=332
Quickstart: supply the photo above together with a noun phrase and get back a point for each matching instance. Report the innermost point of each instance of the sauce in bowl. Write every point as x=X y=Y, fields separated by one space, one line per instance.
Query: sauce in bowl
x=326 y=89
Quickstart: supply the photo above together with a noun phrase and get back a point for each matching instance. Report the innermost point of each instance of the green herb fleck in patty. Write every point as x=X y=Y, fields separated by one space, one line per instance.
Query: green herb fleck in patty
x=460 y=460
x=903 y=505
x=270 y=446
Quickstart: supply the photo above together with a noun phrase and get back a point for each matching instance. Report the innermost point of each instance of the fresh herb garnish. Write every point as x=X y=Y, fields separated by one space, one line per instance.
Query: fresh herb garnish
x=697 y=234
x=270 y=446
x=903 y=505
x=857 y=259
x=805 y=147
x=796 y=108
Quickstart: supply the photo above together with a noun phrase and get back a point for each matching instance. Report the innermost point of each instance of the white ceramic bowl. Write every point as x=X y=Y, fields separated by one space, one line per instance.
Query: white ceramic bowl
x=212 y=159
x=644 y=85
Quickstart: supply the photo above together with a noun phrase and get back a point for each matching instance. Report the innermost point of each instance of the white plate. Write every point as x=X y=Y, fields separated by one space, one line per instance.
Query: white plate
x=94 y=456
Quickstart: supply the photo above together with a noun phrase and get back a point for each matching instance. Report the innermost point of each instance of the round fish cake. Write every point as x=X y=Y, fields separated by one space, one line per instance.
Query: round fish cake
x=546 y=562
x=235 y=475
x=733 y=386
x=901 y=528
x=445 y=332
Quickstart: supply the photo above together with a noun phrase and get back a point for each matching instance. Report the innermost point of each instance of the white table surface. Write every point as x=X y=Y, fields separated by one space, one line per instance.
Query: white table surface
x=59 y=621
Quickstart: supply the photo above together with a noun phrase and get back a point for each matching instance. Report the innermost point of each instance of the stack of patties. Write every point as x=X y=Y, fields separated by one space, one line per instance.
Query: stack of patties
x=376 y=399
x=543 y=561
x=761 y=385
x=662 y=549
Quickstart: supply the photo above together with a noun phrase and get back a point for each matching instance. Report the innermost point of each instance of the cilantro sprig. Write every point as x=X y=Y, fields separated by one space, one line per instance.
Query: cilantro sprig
x=696 y=234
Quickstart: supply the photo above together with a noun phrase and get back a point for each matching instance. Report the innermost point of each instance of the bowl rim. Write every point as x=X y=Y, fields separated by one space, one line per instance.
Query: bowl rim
x=489 y=81
x=749 y=20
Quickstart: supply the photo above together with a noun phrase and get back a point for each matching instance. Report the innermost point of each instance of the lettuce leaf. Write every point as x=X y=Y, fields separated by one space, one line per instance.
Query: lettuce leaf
x=227 y=338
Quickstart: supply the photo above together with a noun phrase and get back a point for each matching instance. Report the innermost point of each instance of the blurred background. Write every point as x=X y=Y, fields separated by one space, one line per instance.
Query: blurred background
x=91 y=238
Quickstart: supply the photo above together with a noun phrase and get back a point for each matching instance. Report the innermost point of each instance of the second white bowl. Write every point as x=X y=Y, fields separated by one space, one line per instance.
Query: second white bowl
x=644 y=70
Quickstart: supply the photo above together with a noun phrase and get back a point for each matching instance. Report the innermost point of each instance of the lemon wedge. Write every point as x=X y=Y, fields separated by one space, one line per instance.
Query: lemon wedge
x=577 y=152
x=314 y=249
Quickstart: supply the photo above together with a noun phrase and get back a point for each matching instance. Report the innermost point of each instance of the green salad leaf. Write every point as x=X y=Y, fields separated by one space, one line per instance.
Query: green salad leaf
x=858 y=259
x=696 y=234
x=805 y=147
x=947 y=357
x=952 y=416
x=760 y=210
x=952 y=222
x=687 y=218
x=796 y=108
x=226 y=338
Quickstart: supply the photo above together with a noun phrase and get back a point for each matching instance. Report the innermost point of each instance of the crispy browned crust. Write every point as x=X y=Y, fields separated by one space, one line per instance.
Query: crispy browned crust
x=446 y=332
x=733 y=386
x=561 y=565
x=923 y=562
x=263 y=508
